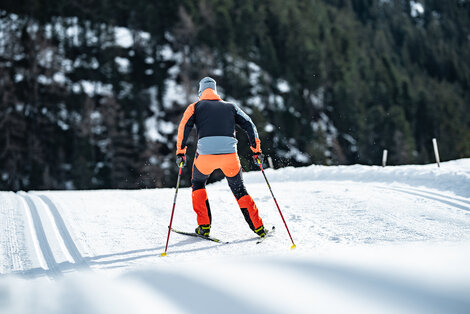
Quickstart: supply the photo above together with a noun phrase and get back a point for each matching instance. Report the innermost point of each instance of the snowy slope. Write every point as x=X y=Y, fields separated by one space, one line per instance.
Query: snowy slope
x=369 y=240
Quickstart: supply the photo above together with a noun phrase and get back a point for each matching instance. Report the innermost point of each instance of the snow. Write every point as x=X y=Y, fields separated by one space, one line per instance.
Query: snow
x=42 y=79
x=283 y=86
x=167 y=53
x=269 y=127
x=174 y=92
x=417 y=8
x=294 y=152
x=369 y=240
x=151 y=130
x=123 y=64
x=123 y=37
x=92 y=88
x=19 y=77
x=59 y=77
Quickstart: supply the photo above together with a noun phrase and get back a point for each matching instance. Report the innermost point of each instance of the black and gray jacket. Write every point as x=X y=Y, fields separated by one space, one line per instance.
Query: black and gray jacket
x=215 y=122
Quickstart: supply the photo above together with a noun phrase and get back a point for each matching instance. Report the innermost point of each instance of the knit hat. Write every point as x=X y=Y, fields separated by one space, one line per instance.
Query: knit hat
x=206 y=82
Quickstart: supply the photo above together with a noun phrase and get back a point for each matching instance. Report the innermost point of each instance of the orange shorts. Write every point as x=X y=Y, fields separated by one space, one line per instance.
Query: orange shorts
x=228 y=163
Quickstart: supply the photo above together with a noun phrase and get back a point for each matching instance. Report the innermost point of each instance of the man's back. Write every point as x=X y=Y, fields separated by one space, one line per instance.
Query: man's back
x=215 y=121
x=214 y=118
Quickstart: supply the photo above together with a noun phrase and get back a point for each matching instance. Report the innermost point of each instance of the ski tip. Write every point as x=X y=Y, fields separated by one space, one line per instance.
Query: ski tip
x=293 y=246
x=163 y=254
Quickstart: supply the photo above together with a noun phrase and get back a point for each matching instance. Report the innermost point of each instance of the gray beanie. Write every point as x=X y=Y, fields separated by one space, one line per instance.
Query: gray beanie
x=206 y=82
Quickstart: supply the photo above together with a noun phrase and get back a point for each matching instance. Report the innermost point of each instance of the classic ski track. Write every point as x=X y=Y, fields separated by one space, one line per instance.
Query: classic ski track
x=455 y=202
x=64 y=233
x=12 y=246
x=442 y=198
x=51 y=263
x=441 y=194
x=68 y=247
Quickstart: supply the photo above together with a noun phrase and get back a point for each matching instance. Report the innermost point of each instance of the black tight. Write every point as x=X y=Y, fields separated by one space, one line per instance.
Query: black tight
x=236 y=184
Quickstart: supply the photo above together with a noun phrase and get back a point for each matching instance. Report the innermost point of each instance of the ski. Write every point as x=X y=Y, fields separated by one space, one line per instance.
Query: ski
x=269 y=233
x=193 y=234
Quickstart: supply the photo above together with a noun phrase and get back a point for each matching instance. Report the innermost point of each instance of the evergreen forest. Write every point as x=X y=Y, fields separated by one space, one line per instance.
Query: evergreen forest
x=92 y=91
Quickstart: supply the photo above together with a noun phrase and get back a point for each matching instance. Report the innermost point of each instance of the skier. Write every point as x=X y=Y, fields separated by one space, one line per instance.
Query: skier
x=215 y=122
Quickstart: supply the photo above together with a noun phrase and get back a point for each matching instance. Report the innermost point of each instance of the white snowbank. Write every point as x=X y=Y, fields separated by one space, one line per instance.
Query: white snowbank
x=452 y=176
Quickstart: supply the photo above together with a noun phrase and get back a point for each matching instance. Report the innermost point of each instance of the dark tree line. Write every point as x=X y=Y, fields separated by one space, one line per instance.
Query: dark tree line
x=91 y=92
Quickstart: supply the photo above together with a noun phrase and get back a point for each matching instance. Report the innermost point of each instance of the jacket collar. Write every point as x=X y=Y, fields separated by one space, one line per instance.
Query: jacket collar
x=209 y=94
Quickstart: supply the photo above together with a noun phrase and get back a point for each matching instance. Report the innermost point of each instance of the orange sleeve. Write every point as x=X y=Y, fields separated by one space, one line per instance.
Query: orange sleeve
x=184 y=129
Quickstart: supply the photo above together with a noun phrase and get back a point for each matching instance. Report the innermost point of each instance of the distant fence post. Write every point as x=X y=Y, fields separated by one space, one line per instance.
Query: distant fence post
x=270 y=162
x=384 y=158
x=436 y=151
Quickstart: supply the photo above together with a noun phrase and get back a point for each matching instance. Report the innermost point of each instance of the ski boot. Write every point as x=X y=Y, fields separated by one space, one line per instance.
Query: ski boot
x=261 y=231
x=203 y=230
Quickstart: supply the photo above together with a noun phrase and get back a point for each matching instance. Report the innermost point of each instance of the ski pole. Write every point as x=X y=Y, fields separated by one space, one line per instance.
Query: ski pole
x=275 y=201
x=173 y=210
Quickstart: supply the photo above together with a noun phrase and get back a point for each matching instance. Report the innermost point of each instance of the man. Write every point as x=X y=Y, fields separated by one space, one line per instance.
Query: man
x=215 y=122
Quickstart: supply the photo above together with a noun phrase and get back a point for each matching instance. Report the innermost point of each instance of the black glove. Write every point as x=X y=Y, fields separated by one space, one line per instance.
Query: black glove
x=181 y=158
x=257 y=156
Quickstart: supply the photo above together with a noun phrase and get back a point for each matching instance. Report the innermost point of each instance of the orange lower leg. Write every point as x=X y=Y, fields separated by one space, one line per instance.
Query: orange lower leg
x=250 y=211
x=201 y=207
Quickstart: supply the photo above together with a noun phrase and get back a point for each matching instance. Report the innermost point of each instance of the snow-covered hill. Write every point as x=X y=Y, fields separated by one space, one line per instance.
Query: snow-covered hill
x=369 y=240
